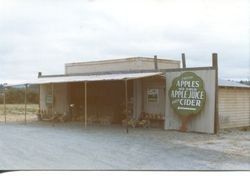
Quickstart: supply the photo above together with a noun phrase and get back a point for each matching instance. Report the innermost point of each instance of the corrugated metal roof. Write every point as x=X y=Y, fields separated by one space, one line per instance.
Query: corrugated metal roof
x=88 y=78
x=109 y=77
x=226 y=83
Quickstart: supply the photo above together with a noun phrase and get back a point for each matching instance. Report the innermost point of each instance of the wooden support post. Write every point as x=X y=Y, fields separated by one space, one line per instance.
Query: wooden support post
x=126 y=103
x=25 y=103
x=4 y=102
x=183 y=60
x=85 y=105
x=216 y=111
x=52 y=104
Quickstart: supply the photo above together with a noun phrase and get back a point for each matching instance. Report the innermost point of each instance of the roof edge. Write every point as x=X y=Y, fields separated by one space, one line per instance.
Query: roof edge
x=119 y=60
x=100 y=73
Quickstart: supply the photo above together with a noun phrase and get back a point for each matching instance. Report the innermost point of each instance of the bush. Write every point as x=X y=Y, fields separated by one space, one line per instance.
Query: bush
x=16 y=95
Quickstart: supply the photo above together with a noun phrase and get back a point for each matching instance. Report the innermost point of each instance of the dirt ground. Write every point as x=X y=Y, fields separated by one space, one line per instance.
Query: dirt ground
x=70 y=146
x=15 y=112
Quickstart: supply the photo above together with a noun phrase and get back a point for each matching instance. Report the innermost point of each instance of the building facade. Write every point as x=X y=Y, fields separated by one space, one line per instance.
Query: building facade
x=95 y=92
x=234 y=104
x=106 y=98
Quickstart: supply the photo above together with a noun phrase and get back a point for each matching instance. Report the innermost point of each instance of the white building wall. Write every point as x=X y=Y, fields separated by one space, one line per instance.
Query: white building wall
x=159 y=83
x=119 y=65
x=234 y=107
x=140 y=96
x=60 y=95
x=61 y=98
x=44 y=90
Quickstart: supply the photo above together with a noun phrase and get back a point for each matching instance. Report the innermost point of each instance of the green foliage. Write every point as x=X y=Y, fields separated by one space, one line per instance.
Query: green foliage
x=245 y=82
x=16 y=95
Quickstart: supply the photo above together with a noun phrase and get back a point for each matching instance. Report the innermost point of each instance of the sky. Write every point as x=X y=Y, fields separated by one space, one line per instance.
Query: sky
x=43 y=35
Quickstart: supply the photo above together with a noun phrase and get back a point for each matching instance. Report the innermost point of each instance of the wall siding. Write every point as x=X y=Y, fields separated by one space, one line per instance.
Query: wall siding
x=118 y=65
x=154 y=83
x=234 y=107
x=61 y=97
x=138 y=99
x=44 y=90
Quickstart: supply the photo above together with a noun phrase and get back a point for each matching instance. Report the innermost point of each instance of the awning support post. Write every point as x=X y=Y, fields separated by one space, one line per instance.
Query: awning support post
x=216 y=111
x=52 y=104
x=126 y=103
x=85 y=104
x=25 y=103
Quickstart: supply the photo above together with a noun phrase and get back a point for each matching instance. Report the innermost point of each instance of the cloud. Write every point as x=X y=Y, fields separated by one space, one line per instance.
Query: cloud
x=43 y=35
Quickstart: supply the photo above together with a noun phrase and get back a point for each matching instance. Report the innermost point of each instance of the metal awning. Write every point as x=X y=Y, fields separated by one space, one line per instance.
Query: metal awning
x=86 y=78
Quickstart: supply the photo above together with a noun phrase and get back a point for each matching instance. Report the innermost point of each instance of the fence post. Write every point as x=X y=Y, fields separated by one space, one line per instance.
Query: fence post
x=25 y=103
x=4 y=102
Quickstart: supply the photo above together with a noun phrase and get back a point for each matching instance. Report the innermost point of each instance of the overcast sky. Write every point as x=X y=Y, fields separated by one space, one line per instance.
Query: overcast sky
x=43 y=35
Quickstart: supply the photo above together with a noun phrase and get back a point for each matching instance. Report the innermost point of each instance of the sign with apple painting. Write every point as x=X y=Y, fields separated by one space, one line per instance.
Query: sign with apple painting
x=187 y=94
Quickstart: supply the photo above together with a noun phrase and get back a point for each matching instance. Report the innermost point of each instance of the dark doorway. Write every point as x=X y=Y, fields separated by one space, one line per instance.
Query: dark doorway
x=105 y=101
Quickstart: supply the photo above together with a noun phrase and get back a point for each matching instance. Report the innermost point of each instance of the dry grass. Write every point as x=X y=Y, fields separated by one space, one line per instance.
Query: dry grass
x=15 y=112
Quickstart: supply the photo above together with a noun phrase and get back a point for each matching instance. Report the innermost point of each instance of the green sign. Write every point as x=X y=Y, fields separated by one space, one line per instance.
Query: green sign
x=49 y=100
x=153 y=95
x=187 y=95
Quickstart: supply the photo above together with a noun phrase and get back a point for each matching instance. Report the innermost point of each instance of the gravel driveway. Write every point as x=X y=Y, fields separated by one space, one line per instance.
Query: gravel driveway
x=68 y=146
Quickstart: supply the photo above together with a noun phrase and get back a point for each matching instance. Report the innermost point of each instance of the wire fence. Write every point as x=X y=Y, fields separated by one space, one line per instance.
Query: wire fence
x=16 y=112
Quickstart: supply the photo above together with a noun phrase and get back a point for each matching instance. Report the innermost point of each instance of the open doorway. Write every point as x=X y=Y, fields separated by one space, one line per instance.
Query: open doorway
x=105 y=101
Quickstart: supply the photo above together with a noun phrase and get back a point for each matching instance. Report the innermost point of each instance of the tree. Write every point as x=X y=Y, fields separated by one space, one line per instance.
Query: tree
x=16 y=95
x=247 y=82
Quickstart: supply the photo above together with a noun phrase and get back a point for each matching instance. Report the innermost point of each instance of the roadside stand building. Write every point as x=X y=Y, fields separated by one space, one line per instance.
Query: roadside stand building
x=147 y=92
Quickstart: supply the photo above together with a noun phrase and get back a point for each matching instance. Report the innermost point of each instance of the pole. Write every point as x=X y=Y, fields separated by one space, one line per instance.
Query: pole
x=39 y=96
x=216 y=111
x=85 y=104
x=25 y=103
x=183 y=60
x=4 y=102
x=52 y=104
x=126 y=103
x=156 y=62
